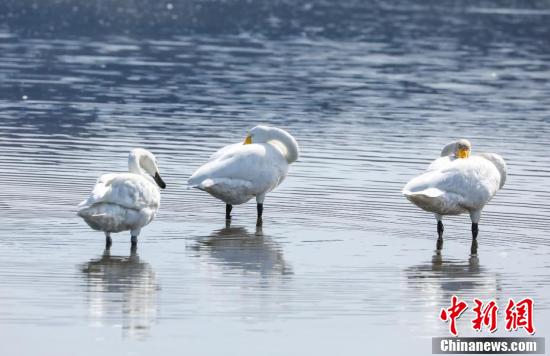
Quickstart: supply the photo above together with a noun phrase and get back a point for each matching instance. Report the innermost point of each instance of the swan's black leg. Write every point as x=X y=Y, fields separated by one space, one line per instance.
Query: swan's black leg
x=440 y=229
x=134 y=240
x=228 y=208
x=108 y=241
x=260 y=209
x=475 y=230
x=473 y=248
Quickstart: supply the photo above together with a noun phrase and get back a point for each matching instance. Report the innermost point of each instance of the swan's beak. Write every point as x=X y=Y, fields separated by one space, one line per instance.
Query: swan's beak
x=463 y=153
x=159 y=180
x=247 y=140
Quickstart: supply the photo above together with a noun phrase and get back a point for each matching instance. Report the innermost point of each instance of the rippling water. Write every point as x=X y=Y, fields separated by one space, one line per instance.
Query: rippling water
x=371 y=91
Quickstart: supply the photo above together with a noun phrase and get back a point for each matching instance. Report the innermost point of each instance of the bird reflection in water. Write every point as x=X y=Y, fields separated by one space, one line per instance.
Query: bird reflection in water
x=237 y=248
x=122 y=290
x=443 y=277
x=432 y=285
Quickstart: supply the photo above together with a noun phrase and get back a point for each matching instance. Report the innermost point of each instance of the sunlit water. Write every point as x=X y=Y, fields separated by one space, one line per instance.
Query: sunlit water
x=343 y=263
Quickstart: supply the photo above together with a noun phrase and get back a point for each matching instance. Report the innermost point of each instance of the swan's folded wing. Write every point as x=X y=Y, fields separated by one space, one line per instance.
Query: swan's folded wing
x=469 y=183
x=440 y=191
x=256 y=167
x=225 y=151
x=479 y=178
x=127 y=190
x=440 y=163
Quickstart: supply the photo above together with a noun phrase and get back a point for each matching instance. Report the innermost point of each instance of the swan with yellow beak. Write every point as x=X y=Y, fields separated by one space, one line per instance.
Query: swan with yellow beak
x=250 y=169
x=457 y=183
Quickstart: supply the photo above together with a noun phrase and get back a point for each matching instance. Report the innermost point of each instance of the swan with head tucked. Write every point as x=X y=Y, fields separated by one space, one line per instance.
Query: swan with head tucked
x=239 y=172
x=457 y=183
x=125 y=201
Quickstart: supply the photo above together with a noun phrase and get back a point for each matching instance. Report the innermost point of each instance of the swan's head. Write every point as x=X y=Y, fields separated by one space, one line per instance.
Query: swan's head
x=142 y=161
x=459 y=149
x=264 y=134
x=463 y=148
x=258 y=134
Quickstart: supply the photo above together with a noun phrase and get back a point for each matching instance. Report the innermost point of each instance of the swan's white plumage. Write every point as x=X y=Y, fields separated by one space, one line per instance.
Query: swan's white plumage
x=121 y=201
x=237 y=173
x=129 y=190
x=453 y=186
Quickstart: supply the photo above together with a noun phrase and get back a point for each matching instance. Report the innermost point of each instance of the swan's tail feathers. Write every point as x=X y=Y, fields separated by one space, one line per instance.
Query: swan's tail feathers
x=427 y=193
x=429 y=199
x=198 y=184
x=83 y=204
x=83 y=209
x=91 y=216
x=81 y=212
x=229 y=190
x=87 y=212
x=109 y=217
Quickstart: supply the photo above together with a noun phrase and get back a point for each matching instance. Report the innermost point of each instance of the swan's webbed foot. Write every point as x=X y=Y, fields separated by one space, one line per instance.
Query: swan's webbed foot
x=108 y=241
x=134 y=240
x=260 y=209
x=475 y=230
x=228 y=208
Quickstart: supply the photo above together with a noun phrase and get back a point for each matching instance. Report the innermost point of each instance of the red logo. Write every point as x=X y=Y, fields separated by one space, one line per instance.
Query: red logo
x=518 y=315
x=452 y=313
x=485 y=316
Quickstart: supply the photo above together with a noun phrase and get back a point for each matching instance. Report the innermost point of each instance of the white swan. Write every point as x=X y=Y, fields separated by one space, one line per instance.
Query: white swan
x=125 y=201
x=237 y=173
x=457 y=183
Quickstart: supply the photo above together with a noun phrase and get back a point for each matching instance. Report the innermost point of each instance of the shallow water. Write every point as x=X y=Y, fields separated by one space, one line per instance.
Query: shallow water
x=343 y=261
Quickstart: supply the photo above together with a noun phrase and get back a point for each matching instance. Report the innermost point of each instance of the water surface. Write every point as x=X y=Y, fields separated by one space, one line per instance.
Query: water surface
x=343 y=263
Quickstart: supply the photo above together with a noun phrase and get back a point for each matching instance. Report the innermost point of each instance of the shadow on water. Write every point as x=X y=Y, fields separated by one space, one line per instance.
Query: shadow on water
x=444 y=277
x=122 y=289
x=237 y=248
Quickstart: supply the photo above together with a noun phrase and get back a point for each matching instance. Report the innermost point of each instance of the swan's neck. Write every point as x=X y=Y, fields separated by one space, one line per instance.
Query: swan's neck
x=449 y=150
x=291 y=150
x=134 y=165
x=499 y=163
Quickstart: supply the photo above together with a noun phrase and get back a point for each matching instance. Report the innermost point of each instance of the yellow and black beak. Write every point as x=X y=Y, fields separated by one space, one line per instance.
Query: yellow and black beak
x=247 y=140
x=463 y=153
